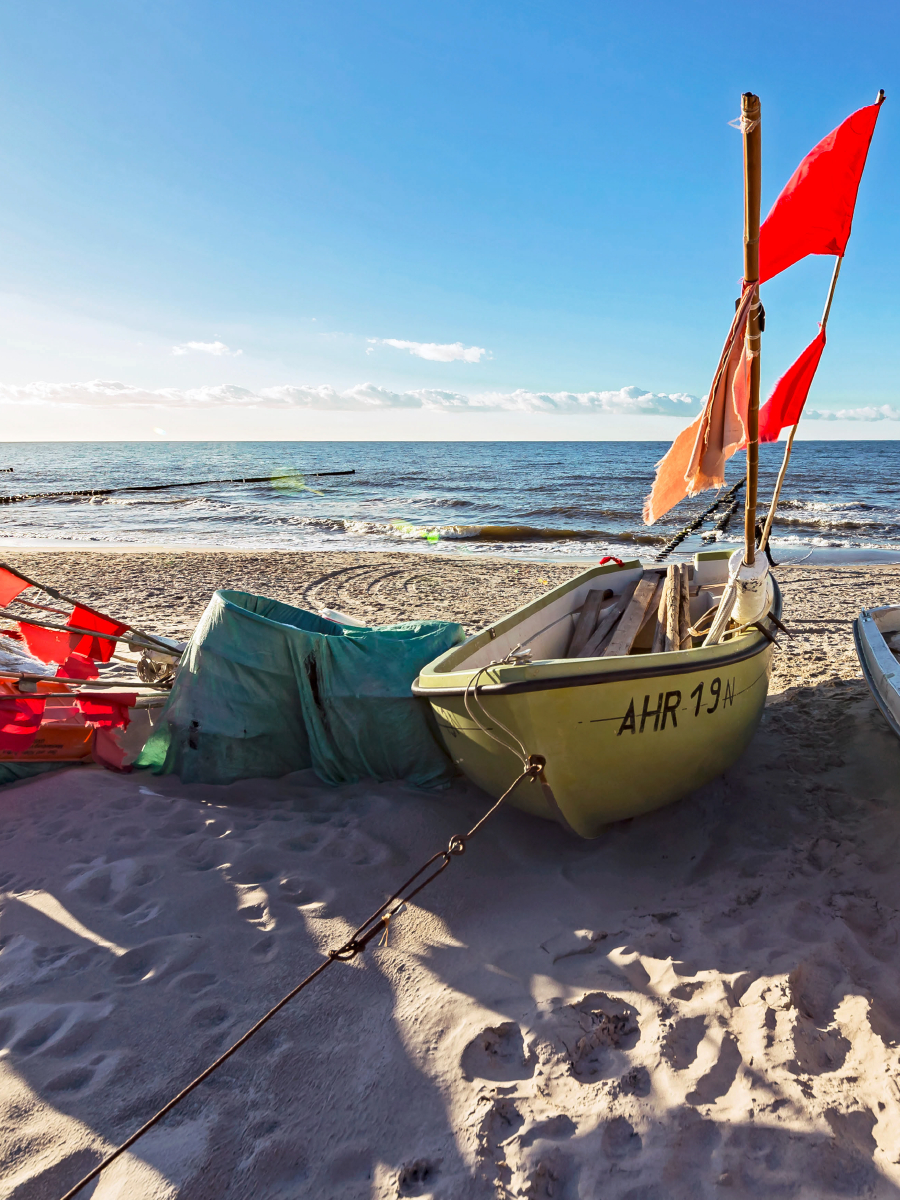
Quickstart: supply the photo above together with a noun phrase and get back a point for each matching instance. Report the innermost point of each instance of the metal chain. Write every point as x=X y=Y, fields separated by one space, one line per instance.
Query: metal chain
x=378 y=922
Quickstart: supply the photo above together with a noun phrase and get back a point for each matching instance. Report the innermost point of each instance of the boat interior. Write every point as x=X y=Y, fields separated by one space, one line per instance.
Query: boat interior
x=623 y=611
x=887 y=622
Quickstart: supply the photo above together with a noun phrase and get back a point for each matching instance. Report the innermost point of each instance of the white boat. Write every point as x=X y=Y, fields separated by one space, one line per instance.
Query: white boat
x=876 y=632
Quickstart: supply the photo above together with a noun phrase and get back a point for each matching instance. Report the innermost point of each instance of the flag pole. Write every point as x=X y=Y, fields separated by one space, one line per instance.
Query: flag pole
x=750 y=119
x=767 y=529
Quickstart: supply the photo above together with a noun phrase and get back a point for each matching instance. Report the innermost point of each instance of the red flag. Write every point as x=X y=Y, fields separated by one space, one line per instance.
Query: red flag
x=109 y=711
x=20 y=720
x=48 y=644
x=814 y=213
x=10 y=586
x=99 y=649
x=77 y=666
x=785 y=405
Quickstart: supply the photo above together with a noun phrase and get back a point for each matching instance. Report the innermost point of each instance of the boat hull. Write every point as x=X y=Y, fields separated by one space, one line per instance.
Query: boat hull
x=880 y=669
x=621 y=736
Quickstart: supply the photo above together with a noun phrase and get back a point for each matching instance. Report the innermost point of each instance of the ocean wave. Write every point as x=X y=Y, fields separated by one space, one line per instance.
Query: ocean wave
x=826 y=506
x=847 y=525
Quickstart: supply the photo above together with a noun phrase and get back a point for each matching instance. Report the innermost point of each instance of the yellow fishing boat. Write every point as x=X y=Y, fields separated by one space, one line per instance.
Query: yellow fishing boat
x=620 y=691
x=621 y=734
x=624 y=690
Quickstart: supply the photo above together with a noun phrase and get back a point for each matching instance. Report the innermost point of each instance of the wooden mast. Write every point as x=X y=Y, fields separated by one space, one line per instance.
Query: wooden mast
x=767 y=529
x=750 y=118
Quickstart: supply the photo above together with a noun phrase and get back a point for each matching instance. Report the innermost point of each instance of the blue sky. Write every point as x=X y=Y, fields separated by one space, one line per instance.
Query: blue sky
x=547 y=195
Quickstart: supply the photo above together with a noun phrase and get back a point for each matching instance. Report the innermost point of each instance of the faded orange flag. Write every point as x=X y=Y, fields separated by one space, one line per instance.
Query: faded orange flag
x=696 y=460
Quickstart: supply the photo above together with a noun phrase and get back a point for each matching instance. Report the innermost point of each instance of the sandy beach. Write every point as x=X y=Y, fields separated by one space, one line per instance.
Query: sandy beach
x=702 y=1002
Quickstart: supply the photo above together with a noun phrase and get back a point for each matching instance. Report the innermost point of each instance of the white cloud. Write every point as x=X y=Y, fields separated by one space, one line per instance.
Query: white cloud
x=434 y=351
x=870 y=412
x=364 y=397
x=217 y=348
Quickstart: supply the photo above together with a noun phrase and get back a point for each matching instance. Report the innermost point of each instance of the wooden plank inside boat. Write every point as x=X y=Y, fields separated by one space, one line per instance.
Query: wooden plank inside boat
x=587 y=619
x=634 y=617
x=596 y=642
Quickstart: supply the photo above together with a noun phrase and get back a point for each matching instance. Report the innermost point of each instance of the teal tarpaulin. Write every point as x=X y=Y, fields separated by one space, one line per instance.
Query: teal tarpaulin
x=264 y=689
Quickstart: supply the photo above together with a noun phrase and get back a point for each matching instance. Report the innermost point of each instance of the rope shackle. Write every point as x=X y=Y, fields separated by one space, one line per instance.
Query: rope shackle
x=534 y=765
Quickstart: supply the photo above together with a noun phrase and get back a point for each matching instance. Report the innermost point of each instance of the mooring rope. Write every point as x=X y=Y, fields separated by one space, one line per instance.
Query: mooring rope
x=378 y=922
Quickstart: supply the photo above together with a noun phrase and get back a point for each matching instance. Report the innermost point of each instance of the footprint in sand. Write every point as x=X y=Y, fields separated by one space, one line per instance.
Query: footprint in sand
x=718 y=1080
x=304 y=893
x=181 y=825
x=157 y=959
x=594 y=1029
x=61 y=960
x=548 y=1178
x=103 y=883
x=56 y=1029
x=350 y=846
x=57 y=1178
x=309 y=840
x=193 y=983
x=620 y=1139
x=812 y=985
x=817 y=1051
x=134 y=908
x=681 y=1042
x=265 y=949
x=635 y=1082
x=498 y=1053
x=552 y=1129
x=209 y=1016
x=257 y=866
x=200 y=853
x=501 y=1121
x=418 y=1178
x=84 y=1077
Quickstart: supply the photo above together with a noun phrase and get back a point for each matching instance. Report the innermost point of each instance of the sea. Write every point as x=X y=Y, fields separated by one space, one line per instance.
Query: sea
x=546 y=501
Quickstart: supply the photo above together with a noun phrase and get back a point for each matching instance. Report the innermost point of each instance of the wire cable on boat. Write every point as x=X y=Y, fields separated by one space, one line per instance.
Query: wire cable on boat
x=471 y=688
x=377 y=923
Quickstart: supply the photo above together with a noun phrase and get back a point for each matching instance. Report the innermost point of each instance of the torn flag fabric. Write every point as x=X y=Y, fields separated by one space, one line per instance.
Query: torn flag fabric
x=77 y=666
x=20 y=720
x=99 y=649
x=10 y=586
x=49 y=645
x=697 y=457
x=814 y=213
x=784 y=406
x=109 y=711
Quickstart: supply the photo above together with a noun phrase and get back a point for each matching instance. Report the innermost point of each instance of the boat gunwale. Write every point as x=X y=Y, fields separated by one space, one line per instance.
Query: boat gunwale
x=753 y=646
x=664 y=664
